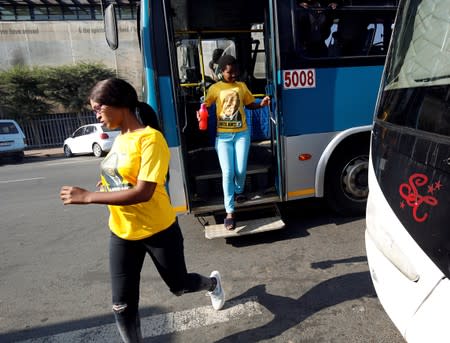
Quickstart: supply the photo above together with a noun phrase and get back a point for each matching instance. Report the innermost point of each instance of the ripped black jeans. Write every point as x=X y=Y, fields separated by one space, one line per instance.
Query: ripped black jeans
x=126 y=259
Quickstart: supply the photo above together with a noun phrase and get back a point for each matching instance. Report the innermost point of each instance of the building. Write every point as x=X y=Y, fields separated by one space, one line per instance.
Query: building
x=58 y=32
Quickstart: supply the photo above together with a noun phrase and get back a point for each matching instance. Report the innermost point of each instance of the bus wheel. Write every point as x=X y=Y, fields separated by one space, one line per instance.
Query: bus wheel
x=346 y=183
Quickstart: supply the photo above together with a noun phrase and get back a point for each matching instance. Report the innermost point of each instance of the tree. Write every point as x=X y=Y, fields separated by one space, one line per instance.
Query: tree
x=69 y=86
x=26 y=92
x=21 y=93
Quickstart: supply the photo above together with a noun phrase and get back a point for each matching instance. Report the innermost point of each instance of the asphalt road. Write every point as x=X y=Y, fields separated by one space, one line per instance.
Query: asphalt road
x=306 y=283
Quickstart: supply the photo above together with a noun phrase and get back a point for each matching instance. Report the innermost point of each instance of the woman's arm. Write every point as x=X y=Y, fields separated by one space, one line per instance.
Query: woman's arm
x=142 y=192
x=264 y=102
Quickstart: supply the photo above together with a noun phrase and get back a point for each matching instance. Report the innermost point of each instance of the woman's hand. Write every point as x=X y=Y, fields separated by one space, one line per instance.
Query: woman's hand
x=265 y=101
x=74 y=195
x=333 y=5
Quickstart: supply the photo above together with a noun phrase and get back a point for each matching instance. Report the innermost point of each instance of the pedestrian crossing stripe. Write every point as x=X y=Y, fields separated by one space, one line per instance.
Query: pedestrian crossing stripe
x=162 y=324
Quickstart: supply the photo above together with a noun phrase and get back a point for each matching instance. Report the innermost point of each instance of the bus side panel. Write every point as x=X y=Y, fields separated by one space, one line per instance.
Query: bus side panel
x=430 y=323
x=170 y=125
x=176 y=185
x=393 y=255
x=342 y=98
x=300 y=175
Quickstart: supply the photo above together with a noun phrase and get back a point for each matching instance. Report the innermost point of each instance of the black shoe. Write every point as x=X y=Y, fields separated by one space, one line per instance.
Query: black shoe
x=240 y=198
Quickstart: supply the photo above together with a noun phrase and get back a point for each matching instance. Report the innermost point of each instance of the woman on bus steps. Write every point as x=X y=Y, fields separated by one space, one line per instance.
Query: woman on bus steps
x=142 y=219
x=233 y=137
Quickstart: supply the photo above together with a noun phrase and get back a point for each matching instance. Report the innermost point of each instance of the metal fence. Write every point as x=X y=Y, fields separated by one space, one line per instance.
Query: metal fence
x=51 y=130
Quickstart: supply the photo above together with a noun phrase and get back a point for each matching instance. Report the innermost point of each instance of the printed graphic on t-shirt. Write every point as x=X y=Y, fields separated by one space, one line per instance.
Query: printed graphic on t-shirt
x=111 y=176
x=230 y=117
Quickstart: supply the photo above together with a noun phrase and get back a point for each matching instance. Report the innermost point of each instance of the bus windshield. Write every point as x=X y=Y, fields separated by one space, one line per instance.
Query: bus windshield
x=417 y=75
x=409 y=64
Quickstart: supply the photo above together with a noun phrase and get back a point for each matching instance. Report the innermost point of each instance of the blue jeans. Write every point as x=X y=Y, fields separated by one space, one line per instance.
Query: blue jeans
x=232 y=150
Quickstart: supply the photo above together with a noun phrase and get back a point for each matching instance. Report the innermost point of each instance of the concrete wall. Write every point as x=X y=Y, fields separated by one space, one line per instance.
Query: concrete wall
x=67 y=42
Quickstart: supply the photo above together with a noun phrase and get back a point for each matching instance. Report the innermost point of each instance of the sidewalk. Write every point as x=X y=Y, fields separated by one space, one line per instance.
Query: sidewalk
x=49 y=152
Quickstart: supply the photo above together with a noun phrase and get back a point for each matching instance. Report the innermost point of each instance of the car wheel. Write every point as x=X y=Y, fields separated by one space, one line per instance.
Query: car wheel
x=18 y=158
x=67 y=151
x=97 y=150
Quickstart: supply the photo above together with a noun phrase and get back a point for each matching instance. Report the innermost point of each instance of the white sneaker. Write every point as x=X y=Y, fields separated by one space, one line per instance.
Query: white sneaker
x=217 y=295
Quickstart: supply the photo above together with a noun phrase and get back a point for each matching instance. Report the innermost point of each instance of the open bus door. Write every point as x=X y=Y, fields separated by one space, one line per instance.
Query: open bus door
x=195 y=43
x=265 y=157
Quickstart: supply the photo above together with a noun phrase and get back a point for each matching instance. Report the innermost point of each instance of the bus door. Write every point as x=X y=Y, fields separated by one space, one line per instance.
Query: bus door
x=201 y=34
x=271 y=90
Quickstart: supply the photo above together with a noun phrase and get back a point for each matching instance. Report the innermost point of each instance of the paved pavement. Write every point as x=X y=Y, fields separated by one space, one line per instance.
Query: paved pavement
x=48 y=152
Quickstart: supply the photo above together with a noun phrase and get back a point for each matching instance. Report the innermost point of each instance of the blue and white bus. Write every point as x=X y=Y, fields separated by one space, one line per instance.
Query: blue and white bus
x=321 y=64
x=408 y=210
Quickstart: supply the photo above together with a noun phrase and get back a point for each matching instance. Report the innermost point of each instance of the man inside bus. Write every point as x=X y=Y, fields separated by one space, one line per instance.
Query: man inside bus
x=213 y=66
x=314 y=21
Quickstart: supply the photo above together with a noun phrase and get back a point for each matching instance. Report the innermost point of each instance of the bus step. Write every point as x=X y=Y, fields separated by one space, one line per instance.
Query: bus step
x=247 y=227
x=251 y=170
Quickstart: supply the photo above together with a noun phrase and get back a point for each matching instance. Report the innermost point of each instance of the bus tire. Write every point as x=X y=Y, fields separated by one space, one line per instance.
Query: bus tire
x=346 y=186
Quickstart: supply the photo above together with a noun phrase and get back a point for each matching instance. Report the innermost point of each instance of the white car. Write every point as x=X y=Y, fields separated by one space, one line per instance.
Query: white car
x=12 y=140
x=88 y=139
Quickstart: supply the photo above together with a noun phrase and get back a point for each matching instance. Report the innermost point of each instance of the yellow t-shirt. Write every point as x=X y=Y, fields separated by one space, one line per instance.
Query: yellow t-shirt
x=230 y=99
x=139 y=155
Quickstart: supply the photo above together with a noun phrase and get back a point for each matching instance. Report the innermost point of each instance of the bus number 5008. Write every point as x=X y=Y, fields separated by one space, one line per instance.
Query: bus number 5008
x=300 y=78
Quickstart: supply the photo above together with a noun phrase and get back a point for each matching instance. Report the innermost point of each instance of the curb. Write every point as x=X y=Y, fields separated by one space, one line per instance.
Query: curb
x=57 y=152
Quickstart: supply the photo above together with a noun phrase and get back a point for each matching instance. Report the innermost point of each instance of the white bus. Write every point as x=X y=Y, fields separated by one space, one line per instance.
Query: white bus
x=408 y=210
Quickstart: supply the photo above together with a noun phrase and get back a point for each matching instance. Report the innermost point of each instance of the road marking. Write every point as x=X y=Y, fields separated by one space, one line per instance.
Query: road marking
x=21 y=180
x=162 y=324
x=73 y=162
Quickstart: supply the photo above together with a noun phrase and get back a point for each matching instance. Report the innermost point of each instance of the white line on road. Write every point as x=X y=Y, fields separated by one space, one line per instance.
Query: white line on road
x=21 y=180
x=162 y=324
x=73 y=162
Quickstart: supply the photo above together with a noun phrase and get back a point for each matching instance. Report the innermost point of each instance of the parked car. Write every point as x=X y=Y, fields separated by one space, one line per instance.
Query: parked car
x=88 y=139
x=12 y=140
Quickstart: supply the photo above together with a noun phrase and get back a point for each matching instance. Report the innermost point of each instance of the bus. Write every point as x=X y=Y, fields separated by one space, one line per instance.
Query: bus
x=408 y=211
x=321 y=64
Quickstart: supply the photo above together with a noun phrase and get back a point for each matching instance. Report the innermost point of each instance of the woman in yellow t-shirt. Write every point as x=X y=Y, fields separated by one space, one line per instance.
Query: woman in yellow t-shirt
x=233 y=137
x=142 y=219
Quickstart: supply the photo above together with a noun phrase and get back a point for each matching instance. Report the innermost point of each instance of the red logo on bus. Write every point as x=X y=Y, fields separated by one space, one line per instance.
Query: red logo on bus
x=411 y=197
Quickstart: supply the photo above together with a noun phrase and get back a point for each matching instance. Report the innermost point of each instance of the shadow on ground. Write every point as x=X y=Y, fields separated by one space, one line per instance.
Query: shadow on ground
x=288 y=312
x=300 y=216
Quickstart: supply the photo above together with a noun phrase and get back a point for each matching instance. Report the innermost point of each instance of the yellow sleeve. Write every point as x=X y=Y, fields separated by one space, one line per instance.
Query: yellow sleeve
x=248 y=96
x=155 y=158
x=211 y=96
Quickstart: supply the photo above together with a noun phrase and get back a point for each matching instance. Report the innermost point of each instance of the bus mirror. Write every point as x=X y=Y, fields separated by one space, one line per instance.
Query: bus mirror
x=110 y=22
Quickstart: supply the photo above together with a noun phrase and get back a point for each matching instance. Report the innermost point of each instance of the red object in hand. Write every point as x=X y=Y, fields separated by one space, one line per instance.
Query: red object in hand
x=203 y=122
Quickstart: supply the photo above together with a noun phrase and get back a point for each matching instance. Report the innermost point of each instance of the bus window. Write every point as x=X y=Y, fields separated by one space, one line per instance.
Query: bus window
x=258 y=52
x=188 y=61
x=212 y=50
x=333 y=29
x=190 y=56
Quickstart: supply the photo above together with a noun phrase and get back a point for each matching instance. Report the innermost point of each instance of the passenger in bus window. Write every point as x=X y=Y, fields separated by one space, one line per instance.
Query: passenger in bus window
x=314 y=21
x=142 y=220
x=233 y=136
x=213 y=66
x=357 y=27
